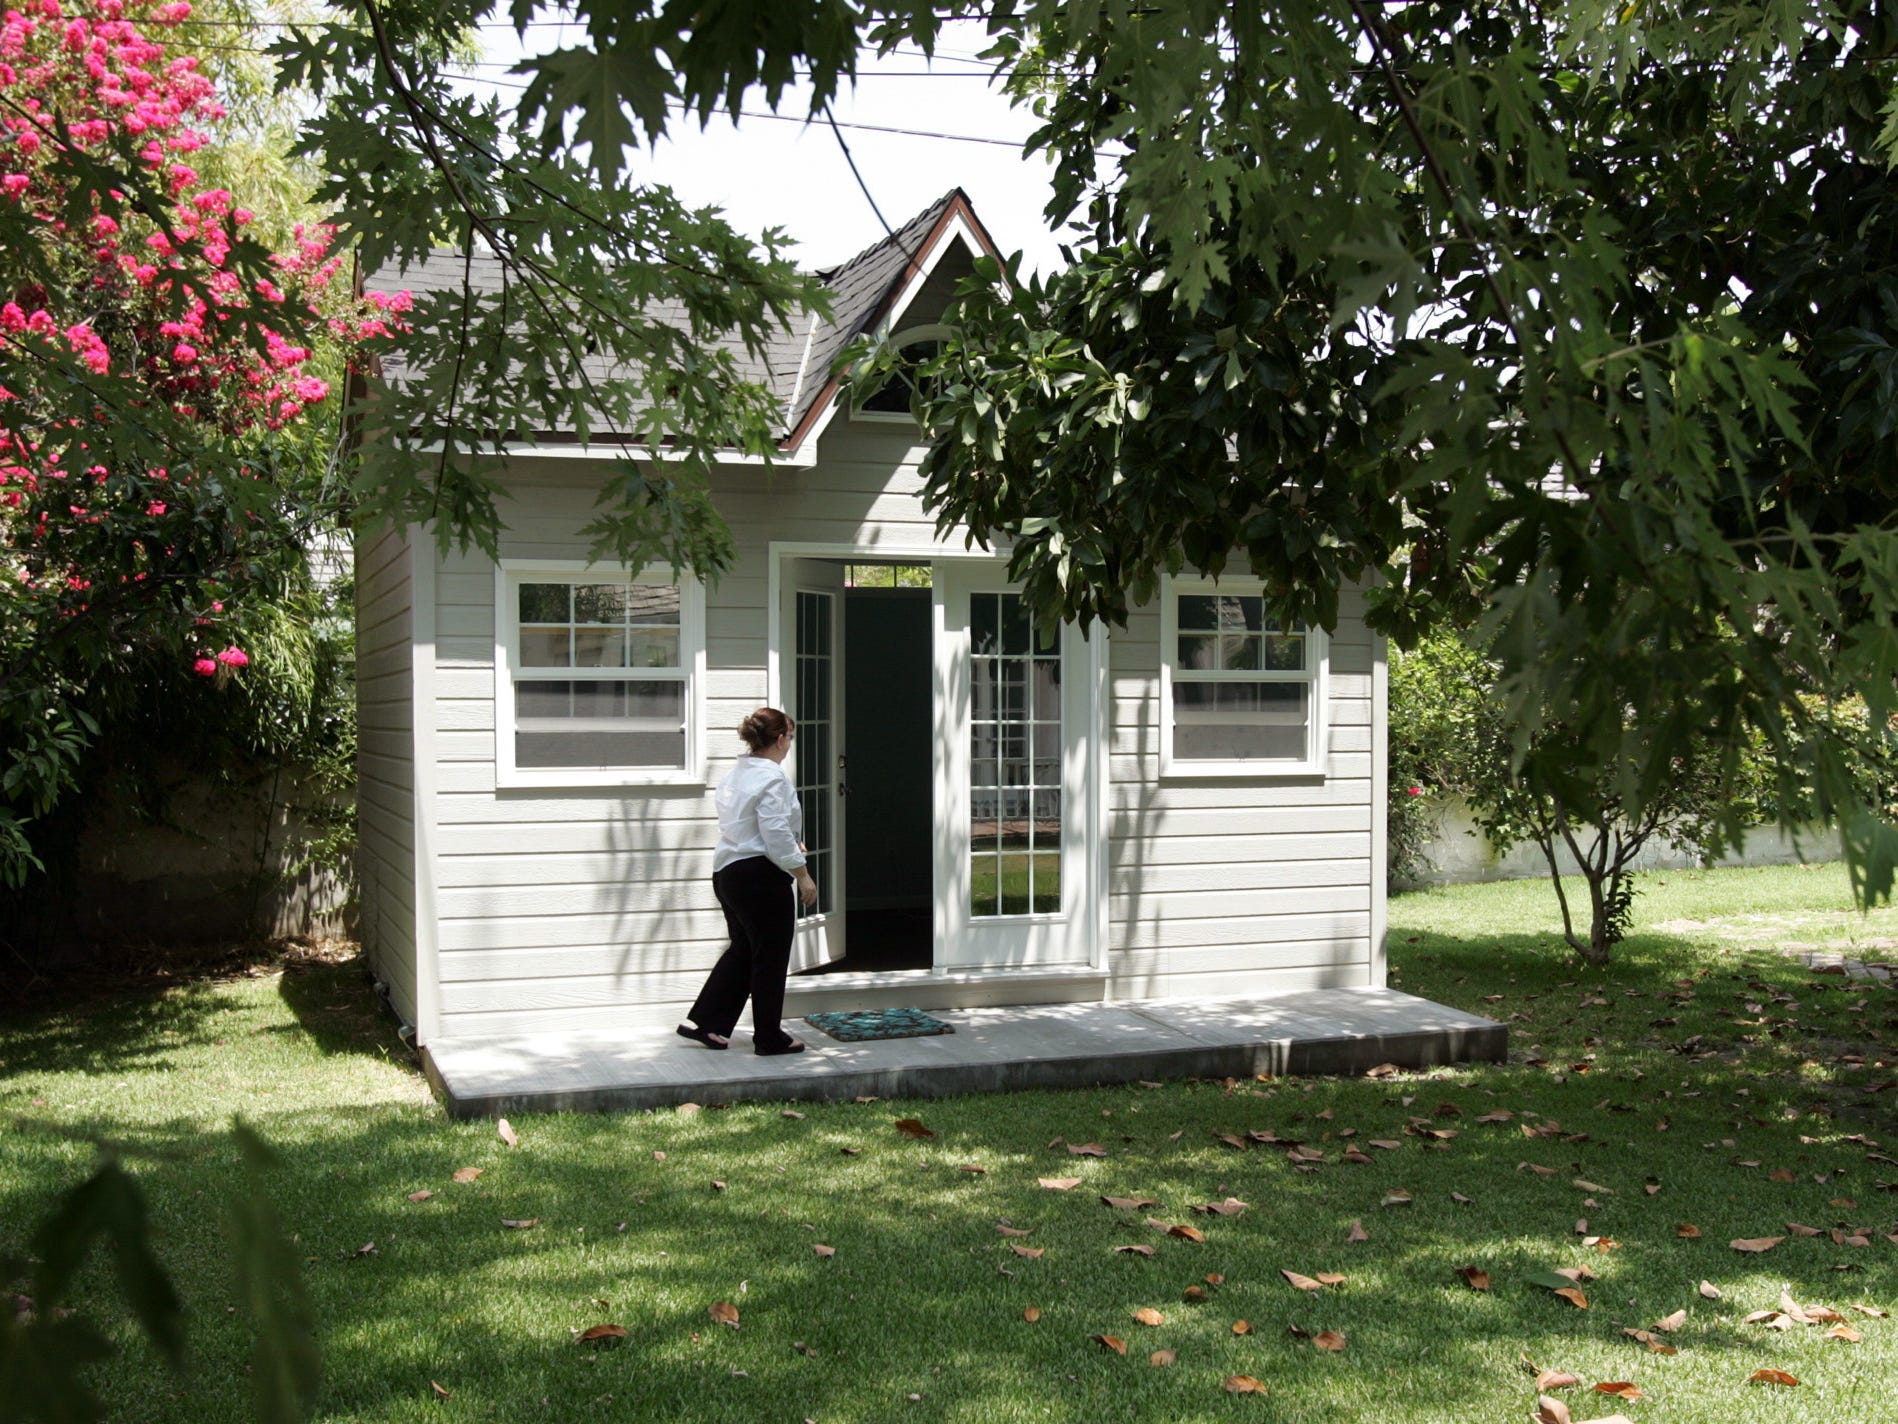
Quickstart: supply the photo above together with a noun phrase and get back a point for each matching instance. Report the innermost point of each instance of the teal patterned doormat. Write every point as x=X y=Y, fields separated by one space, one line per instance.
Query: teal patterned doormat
x=877 y=1023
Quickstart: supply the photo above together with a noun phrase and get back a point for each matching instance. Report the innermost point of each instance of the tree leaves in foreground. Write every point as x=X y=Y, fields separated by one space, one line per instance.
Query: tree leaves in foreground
x=1578 y=323
x=48 y=1340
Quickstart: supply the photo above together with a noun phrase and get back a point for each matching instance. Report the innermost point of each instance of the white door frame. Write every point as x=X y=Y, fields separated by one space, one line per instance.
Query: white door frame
x=1094 y=812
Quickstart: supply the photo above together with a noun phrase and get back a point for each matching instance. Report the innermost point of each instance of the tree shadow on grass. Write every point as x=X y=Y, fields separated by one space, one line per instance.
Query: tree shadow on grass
x=924 y=1296
x=337 y=1010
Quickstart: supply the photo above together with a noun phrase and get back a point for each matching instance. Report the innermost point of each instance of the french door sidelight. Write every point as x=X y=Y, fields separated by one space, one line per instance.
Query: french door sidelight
x=1011 y=767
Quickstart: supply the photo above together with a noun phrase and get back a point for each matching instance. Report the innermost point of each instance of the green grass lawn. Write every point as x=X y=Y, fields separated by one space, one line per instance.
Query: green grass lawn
x=1704 y=1064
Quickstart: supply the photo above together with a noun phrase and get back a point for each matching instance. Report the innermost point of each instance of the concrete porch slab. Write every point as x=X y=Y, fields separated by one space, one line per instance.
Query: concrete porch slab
x=1326 y=1031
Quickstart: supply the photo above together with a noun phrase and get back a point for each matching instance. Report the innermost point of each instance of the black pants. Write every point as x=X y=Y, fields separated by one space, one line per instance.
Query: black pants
x=760 y=913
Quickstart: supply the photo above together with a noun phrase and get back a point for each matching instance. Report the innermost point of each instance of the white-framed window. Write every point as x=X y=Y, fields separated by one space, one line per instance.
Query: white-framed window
x=1240 y=696
x=597 y=676
x=889 y=403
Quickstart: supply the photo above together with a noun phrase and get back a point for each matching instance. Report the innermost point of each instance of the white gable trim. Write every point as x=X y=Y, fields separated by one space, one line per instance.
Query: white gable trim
x=959 y=227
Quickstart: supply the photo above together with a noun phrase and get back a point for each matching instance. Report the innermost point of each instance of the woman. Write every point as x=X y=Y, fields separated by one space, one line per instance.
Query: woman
x=758 y=857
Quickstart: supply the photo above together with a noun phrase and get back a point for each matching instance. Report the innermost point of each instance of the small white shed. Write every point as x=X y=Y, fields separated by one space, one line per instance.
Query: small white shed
x=1191 y=807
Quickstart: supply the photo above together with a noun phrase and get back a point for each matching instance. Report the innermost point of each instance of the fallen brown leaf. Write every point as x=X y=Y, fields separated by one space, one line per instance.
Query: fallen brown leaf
x=1243 y=1384
x=421 y=1196
x=1710 y=1290
x=440 y=1393
x=1032 y=1314
x=1474 y=1277
x=1396 y=1196
x=1139 y=1250
x=1871 y=1310
x=1556 y=1379
x=1231 y=1206
x=793 y=1114
x=1129 y=1203
x=1620 y=1389
x=1756 y=1244
x=1030 y=1253
x=974 y=1169
x=913 y=1127
x=1187 y=1233
x=1110 y=1342
x=507 y=1133
x=1687 y=1231
x=466 y=1174
x=1147 y=1315
x=1771 y=1377
x=1242 y=1327
x=1357 y=1232
x=687 y=1109
x=600 y=1332
x=823 y=1250
x=1194 y=1295
x=1300 y=1282
x=1328 y=1340
x=1550 y=1410
x=1087 y=1149
x=1059 y=1184
x=1573 y=1296
x=1672 y=1322
x=1006 y=1230
x=1159 y=1359
x=1844 y=1332
x=723 y=1312
x=1652 y=1341
x=519 y=1224
x=1799 y=1230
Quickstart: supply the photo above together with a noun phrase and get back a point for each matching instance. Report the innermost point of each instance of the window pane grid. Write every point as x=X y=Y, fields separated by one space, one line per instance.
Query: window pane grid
x=591 y=628
x=811 y=681
x=1014 y=762
x=1243 y=684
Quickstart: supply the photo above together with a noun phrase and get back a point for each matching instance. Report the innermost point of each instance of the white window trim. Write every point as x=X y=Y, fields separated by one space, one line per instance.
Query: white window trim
x=1317 y=675
x=508 y=575
x=908 y=336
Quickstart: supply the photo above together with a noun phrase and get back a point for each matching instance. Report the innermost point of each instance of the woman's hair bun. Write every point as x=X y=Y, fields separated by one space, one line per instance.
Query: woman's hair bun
x=764 y=727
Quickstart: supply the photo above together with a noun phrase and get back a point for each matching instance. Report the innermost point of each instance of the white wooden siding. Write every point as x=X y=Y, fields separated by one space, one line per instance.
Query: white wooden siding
x=1249 y=886
x=385 y=799
x=585 y=909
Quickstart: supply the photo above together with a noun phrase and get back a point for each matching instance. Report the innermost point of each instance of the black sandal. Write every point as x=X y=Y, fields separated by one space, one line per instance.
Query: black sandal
x=790 y=1045
x=705 y=1036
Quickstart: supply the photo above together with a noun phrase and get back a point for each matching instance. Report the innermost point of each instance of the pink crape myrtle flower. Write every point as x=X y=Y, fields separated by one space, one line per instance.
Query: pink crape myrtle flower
x=234 y=657
x=204 y=667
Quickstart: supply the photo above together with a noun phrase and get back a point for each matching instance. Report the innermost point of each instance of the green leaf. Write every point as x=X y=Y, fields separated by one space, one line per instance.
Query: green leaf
x=267 y=1279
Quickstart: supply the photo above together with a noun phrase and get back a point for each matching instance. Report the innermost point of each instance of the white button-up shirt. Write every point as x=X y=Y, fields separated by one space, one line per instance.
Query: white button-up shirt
x=758 y=814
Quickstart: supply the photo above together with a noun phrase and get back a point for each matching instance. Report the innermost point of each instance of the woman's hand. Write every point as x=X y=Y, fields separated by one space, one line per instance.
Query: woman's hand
x=806 y=887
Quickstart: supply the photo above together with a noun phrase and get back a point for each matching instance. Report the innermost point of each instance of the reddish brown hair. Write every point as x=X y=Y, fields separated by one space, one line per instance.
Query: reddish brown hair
x=764 y=727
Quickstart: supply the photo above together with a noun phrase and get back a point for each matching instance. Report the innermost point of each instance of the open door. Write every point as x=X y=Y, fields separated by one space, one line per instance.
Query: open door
x=810 y=651
x=1011 y=779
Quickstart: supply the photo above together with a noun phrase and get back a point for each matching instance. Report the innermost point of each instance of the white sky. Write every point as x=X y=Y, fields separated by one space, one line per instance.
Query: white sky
x=765 y=171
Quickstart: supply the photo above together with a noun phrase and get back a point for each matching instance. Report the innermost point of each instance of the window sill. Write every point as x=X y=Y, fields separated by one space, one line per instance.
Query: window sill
x=592 y=777
x=1242 y=771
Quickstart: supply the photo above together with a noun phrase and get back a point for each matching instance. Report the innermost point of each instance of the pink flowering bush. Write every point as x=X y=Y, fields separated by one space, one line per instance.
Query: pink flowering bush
x=159 y=371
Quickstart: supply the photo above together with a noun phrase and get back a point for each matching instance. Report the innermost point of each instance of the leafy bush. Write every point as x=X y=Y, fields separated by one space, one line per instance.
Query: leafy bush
x=1439 y=701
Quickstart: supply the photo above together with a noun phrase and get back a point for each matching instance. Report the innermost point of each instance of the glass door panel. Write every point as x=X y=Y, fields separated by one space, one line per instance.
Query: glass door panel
x=1012 y=707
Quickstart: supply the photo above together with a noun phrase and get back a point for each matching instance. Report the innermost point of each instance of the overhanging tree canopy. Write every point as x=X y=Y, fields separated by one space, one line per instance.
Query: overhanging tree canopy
x=1580 y=319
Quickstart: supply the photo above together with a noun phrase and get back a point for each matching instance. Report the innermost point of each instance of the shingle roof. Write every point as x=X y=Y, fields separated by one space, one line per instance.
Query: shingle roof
x=794 y=365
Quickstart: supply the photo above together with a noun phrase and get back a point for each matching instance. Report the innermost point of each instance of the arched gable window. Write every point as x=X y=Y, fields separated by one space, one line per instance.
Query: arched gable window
x=913 y=346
